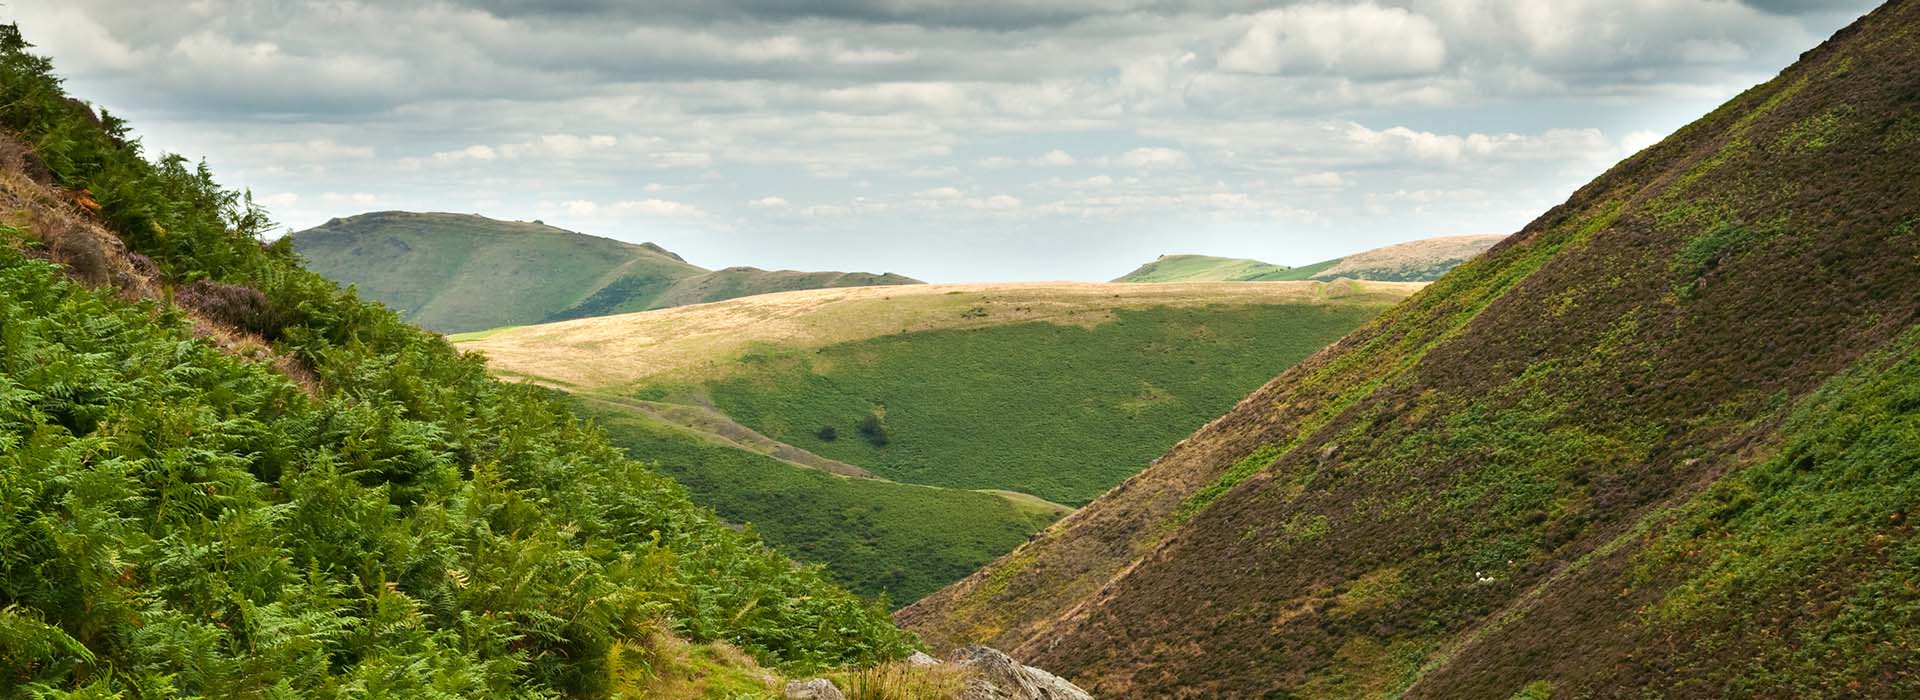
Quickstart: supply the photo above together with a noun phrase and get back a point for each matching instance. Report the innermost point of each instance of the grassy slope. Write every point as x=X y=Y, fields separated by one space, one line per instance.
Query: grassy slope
x=876 y=537
x=252 y=484
x=454 y=272
x=1661 y=439
x=462 y=272
x=1201 y=268
x=1034 y=407
x=1415 y=261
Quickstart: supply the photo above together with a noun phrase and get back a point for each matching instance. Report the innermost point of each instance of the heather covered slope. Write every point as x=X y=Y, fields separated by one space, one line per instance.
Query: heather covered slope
x=464 y=272
x=1663 y=438
x=1423 y=260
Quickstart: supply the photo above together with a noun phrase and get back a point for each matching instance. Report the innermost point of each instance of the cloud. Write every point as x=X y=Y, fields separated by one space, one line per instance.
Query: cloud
x=1319 y=180
x=1154 y=157
x=1055 y=157
x=956 y=135
x=1364 y=40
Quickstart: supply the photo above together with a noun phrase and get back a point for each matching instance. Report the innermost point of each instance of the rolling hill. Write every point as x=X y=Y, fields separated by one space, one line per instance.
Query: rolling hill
x=1423 y=260
x=463 y=272
x=1659 y=443
x=967 y=401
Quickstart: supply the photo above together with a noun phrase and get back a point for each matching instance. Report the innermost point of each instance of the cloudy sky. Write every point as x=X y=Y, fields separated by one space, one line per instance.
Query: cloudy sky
x=951 y=141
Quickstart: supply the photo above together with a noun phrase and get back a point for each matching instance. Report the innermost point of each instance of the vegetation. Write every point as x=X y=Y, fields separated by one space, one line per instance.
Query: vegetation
x=925 y=385
x=463 y=272
x=979 y=408
x=179 y=521
x=1416 y=261
x=879 y=538
x=1659 y=444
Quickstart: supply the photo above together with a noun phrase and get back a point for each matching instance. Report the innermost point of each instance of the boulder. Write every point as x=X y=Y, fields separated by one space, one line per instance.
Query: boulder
x=813 y=689
x=920 y=658
x=992 y=675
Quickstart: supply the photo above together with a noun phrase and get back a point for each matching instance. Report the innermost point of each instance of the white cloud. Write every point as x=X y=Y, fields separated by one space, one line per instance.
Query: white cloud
x=475 y=152
x=1055 y=157
x=1154 y=157
x=768 y=203
x=1328 y=179
x=1363 y=40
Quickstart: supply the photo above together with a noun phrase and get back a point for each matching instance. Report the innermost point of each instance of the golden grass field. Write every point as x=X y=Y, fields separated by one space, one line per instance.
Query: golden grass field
x=701 y=341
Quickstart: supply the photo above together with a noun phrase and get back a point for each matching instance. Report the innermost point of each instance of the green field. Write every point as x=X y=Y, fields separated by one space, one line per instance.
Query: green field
x=876 y=537
x=1062 y=412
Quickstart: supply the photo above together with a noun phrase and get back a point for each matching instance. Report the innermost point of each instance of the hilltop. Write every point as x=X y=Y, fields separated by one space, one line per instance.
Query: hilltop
x=1423 y=260
x=901 y=434
x=1659 y=441
x=465 y=272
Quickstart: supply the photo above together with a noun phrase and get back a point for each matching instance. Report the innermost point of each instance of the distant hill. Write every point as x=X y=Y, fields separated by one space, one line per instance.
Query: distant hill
x=1659 y=443
x=942 y=406
x=1424 y=260
x=464 y=272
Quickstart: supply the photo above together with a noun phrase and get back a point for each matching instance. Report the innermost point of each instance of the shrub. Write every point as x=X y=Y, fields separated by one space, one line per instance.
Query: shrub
x=875 y=430
x=235 y=305
x=827 y=433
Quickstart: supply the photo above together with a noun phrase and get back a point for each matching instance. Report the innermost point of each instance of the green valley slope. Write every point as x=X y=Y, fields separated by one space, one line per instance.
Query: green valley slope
x=1660 y=443
x=222 y=476
x=463 y=272
x=1423 y=260
x=968 y=388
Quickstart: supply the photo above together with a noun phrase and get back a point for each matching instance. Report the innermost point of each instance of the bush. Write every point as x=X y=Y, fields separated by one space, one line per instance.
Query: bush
x=875 y=430
x=827 y=433
x=235 y=305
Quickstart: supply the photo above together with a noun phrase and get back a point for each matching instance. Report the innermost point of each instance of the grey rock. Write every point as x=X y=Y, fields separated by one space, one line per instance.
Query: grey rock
x=920 y=658
x=813 y=689
x=992 y=675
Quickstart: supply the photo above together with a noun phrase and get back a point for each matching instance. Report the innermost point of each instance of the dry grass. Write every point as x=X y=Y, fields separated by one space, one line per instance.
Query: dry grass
x=700 y=342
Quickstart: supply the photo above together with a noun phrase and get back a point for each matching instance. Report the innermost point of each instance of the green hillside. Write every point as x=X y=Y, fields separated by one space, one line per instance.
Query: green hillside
x=1034 y=407
x=1660 y=443
x=973 y=388
x=221 y=476
x=1423 y=260
x=464 y=272
x=877 y=537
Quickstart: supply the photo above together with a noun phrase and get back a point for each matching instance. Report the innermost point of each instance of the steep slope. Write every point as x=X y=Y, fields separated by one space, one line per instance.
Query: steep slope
x=464 y=272
x=1662 y=439
x=1423 y=260
x=1004 y=388
x=222 y=476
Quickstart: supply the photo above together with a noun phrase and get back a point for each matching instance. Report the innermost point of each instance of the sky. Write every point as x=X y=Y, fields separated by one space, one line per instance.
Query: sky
x=983 y=140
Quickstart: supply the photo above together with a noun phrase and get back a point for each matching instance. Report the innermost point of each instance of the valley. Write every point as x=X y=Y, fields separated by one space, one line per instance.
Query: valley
x=960 y=438
x=1663 y=441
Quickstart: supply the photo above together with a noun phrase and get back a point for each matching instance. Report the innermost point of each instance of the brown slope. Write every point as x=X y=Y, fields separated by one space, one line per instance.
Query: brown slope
x=1448 y=502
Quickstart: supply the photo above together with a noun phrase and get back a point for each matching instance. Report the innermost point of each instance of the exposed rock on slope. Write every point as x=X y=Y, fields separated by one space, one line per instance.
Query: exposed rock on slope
x=463 y=272
x=1661 y=438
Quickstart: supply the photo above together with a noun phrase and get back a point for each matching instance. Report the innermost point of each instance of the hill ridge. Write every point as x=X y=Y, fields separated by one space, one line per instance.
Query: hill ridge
x=1422 y=260
x=456 y=272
